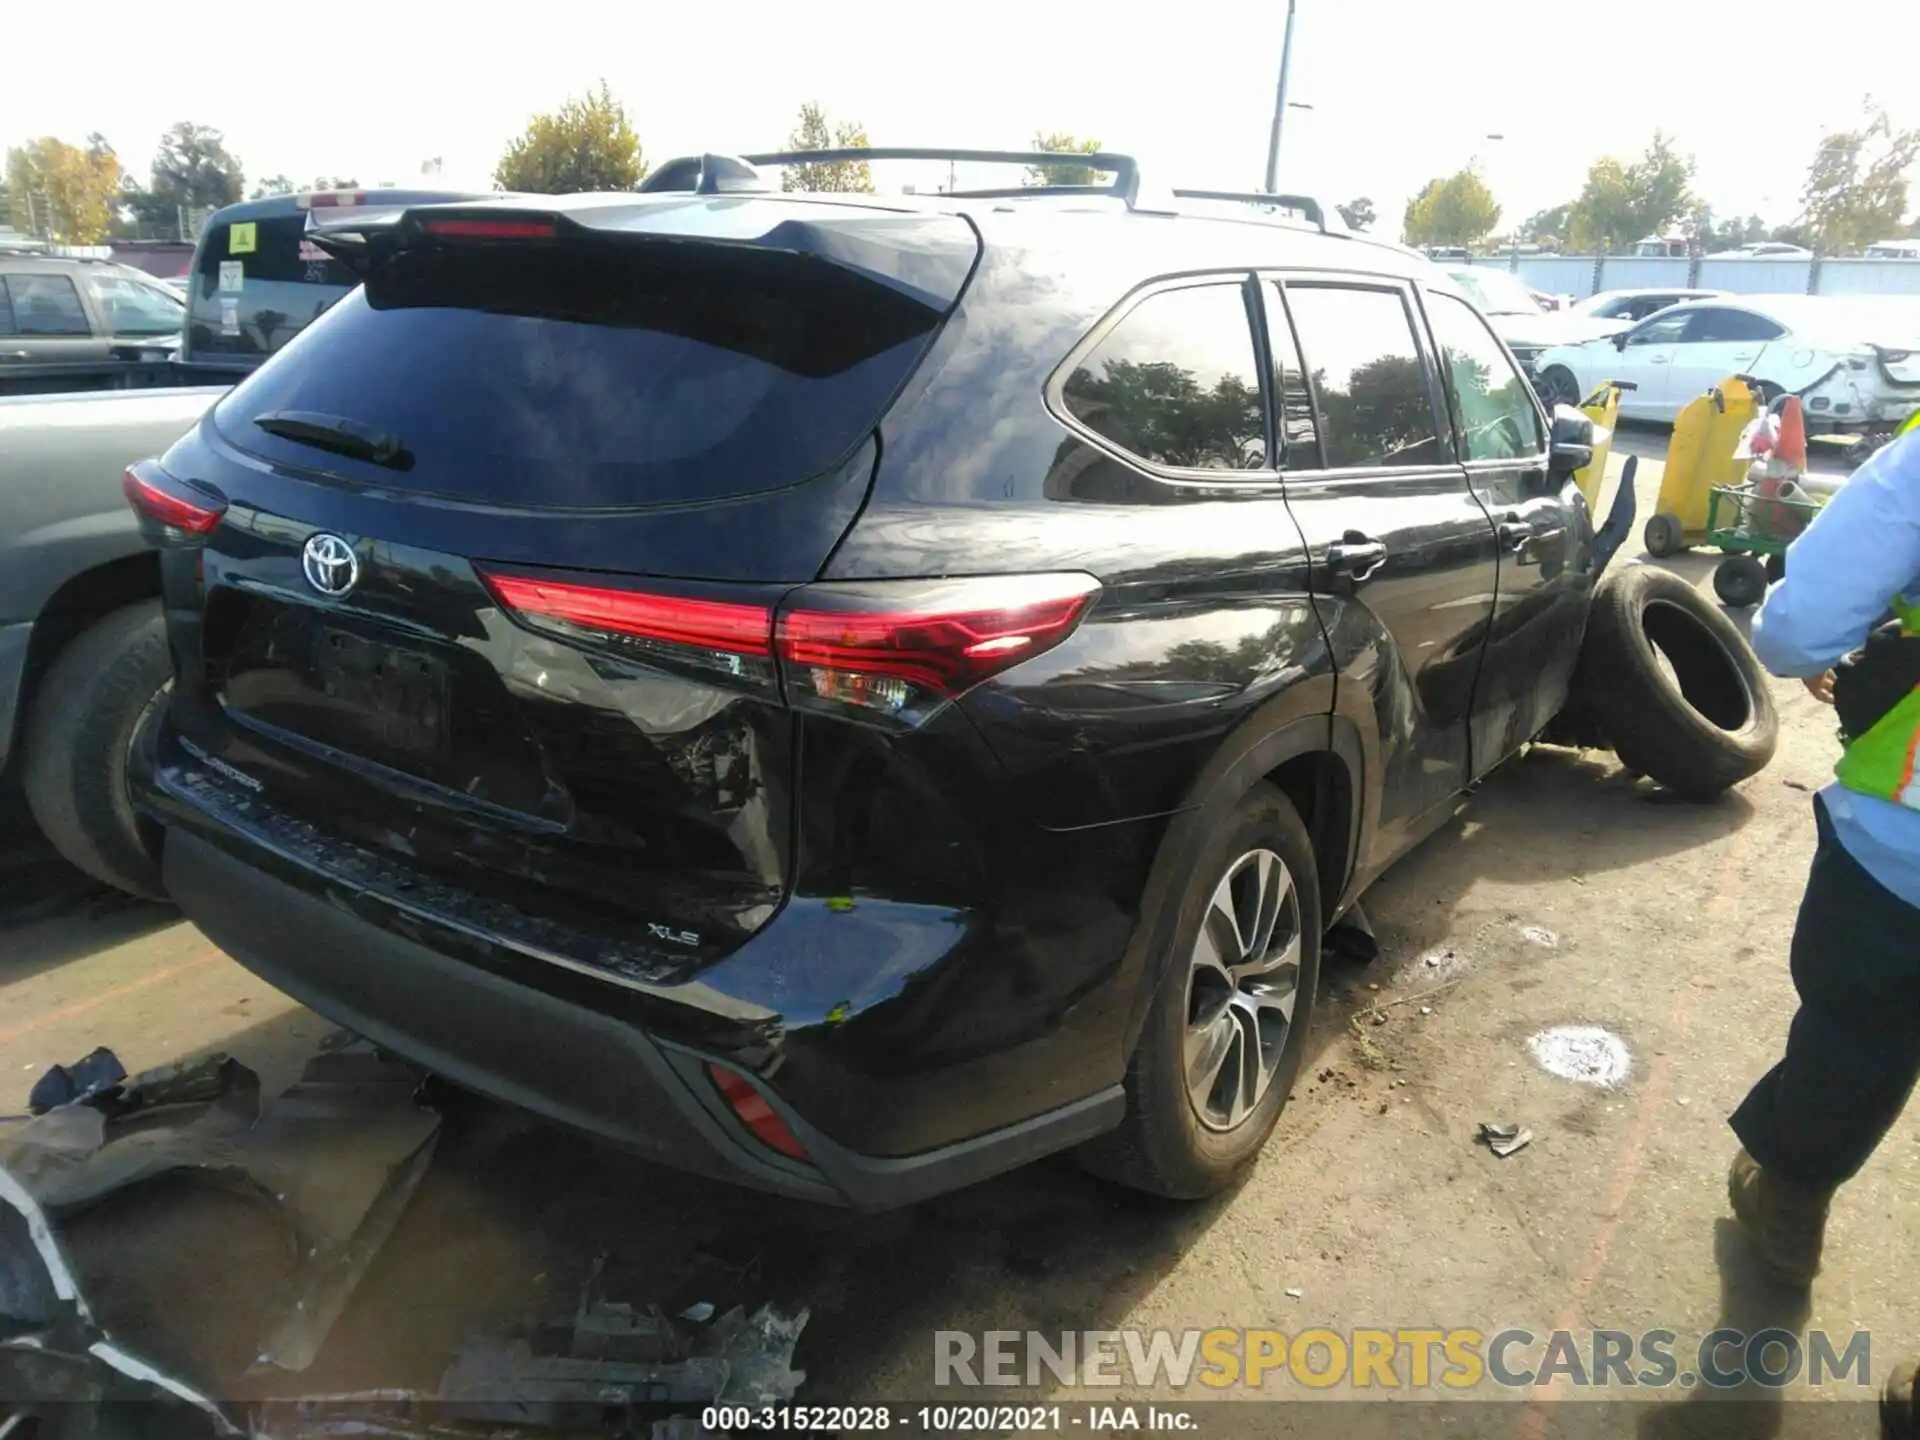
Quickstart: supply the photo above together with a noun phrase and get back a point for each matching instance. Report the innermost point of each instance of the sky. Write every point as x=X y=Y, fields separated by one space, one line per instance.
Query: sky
x=1400 y=90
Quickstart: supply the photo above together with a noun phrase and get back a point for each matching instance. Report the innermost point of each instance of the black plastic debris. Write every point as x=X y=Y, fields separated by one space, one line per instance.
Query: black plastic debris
x=92 y=1074
x=1504 y=1139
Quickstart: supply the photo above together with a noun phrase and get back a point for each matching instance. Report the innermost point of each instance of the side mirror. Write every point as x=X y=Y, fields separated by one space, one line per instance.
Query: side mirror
x=1573 y=440
x=1620 y=340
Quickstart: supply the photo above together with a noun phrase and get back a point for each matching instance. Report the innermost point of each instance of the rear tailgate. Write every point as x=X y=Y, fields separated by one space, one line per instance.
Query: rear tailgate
x=491 y=597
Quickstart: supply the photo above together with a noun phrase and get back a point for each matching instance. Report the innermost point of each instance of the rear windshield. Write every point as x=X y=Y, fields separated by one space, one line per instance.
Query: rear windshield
x=595 y=373
x=256 y=284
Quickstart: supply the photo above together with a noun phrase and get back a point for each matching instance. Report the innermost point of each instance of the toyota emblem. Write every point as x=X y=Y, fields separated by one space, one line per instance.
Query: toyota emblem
x=330 y=565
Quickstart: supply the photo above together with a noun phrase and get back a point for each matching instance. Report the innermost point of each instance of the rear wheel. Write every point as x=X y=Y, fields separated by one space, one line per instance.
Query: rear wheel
x=1225 y=1037
x=1557 y=386
x=84 y=719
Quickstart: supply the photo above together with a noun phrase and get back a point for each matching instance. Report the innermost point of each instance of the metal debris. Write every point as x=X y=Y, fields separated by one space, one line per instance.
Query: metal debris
x=1294 y=1292
x=1503 y=1139
x=699 y=1312
x=1584 y=1054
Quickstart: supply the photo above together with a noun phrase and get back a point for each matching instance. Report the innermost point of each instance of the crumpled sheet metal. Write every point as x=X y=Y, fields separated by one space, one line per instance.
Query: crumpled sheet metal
x=336 y=1155
x=51 y=1335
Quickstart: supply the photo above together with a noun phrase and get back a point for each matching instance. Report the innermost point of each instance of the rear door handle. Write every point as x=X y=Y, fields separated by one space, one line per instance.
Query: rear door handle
x=1659 y=359
x=1356 y=556
x=13 y=354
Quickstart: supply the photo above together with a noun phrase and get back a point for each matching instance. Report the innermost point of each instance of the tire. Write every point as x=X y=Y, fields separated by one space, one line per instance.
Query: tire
x=1740 y=580
x=1664 y=536
x=1186 y=1142
x=1776 y=568
x=81 y=725
x=1557 y=386
x=1699 y=729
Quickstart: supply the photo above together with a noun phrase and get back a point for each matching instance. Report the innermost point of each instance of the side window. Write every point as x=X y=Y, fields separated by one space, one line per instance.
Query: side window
x=1299 y=430
x=1720 y=327
x=1492 y=406
x=1366 y=367
x=6 y=310
x=134 y=308
x=47 y=305
x=1176 y=382
x=1660 y=332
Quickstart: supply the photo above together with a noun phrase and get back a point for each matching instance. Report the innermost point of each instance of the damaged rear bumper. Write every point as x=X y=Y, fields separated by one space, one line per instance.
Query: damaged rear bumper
x=569 y=1049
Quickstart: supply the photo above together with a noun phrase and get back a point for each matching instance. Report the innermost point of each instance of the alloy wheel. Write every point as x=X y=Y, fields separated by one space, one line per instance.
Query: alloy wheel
x=1242 y=984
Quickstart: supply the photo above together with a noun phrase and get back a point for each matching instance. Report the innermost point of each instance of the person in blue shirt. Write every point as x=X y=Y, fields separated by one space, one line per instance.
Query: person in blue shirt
x=1853 y=1051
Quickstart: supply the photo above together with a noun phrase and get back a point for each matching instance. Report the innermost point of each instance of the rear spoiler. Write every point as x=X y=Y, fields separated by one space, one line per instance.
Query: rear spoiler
x=348 y=232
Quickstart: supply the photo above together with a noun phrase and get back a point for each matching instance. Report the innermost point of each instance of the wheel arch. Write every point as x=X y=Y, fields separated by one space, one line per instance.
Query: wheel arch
x=1316 y=760
x=80 y=601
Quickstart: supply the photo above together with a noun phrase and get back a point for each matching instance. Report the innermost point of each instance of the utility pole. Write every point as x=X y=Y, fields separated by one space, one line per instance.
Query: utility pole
x=1280 y=104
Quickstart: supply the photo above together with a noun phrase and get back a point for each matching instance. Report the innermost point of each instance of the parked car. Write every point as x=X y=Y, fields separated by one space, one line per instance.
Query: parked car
x=1853 y=363
x=79 y=324
x=831 y=692
x=1894 y=250
x=1764 y=250
x=1621 y=308
x=82 y=652
x=258 y=279
x=1516 y=314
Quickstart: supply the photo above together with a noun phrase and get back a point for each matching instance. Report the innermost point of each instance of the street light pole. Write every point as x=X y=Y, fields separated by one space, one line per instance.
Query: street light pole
x=1280 y=104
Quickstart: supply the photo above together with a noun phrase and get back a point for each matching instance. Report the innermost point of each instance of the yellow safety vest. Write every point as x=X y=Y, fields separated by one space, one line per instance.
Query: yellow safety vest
x=1885 y=762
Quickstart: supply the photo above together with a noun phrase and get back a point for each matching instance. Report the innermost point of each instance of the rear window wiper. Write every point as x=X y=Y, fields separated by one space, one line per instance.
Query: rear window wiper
x=339 y=435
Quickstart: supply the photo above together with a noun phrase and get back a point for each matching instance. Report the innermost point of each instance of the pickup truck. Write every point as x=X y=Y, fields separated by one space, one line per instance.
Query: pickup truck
x=83 y=652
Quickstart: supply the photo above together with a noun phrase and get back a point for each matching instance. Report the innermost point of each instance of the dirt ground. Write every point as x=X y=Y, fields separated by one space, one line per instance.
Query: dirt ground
x=1567 y=893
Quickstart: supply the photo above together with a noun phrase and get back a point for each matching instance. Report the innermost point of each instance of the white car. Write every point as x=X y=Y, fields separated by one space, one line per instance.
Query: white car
x=1854 y=363
x=1621 y=308
x=1764 y=250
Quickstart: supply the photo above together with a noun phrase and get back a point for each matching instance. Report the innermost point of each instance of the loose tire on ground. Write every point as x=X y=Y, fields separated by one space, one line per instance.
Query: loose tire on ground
x=1164 y=1146
x=1664 y=536
x=1701 y=722
x=80 y=727
x=1740 y=580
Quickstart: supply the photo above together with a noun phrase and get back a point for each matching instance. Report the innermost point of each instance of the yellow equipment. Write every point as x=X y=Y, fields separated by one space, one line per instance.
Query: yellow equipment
x=1603 y=408
x=1699 y=457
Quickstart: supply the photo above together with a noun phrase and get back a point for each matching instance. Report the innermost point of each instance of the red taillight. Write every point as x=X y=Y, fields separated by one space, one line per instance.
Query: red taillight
x=335 y=199
x=158 y=497
x=755 y=1113
x=490 y=229
x=891 y=646
x=676 y=620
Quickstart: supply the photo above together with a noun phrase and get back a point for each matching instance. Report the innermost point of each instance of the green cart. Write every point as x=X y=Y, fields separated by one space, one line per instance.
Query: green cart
x=1753 y=531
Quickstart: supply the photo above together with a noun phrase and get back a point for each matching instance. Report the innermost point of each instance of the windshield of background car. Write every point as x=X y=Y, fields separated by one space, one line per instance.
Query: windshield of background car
x=133 y=306
x=1495 y=292
x=595 y=375
x=258 y=283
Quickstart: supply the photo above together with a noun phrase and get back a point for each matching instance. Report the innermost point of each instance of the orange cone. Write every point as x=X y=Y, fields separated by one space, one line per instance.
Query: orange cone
x=1792 y=448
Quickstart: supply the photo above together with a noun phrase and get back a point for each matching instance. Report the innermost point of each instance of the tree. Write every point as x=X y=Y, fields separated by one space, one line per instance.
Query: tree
x=1856 y=190
x=1546 y=227
x=1060 y=143
x=1357 y=213
x=193 y=169
x=1622 y=203
x=837 y=177
x=64 y=193
x=272 y=185
x=1455 y=209
x=587 y=144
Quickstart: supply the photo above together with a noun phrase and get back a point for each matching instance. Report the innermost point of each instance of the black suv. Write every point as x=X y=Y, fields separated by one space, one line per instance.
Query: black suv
x=849 y=694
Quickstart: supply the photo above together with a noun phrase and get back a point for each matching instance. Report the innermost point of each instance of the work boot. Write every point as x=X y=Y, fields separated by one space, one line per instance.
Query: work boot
x=1786 y=1223
x=1897 y=1419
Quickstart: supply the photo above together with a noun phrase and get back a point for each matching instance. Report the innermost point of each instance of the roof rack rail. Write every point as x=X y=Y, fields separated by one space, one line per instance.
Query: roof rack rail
x=1124 y=168
x=1311 y=208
